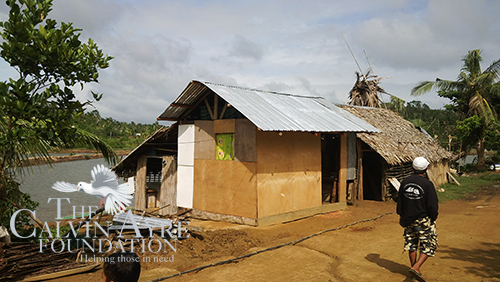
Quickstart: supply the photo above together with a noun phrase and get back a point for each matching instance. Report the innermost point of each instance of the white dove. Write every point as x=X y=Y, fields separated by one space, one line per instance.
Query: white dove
x=104 y=186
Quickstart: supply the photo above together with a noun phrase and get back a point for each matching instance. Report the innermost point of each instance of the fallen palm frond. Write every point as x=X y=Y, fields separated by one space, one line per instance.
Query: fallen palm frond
x=365 y=91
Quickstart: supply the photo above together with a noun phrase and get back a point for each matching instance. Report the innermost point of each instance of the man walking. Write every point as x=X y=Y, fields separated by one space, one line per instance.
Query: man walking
x=418 y=210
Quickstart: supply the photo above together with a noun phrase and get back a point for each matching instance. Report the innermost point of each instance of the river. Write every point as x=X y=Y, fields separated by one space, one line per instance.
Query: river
x=38 y=183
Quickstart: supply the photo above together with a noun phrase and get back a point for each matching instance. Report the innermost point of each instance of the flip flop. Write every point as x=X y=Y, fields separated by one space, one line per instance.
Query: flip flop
x=417 y=275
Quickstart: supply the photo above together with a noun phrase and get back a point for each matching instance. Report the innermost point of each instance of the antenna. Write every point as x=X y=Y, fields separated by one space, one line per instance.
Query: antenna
x=366 y=56
x=352 y=54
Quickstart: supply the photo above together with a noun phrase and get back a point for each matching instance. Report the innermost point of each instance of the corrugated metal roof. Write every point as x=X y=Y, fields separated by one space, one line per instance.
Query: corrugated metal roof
x=271 y=111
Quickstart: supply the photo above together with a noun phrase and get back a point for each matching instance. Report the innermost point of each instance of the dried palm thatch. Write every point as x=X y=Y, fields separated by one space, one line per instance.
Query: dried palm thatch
x=365 y=91
x=399 y=141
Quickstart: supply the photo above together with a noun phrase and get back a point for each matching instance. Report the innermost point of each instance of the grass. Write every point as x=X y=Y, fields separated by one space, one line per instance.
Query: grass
x=469 y=185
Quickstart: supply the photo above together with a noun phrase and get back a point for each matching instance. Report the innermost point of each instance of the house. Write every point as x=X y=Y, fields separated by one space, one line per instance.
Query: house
x=390 y=153
x=249 y=156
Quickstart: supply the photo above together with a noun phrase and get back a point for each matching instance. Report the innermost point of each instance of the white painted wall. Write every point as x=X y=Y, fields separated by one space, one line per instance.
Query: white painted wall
x=185 y=165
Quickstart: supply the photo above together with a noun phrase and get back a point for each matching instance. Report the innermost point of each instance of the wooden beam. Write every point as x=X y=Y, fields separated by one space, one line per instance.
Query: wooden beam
x=360 y=169
x=294 y=215
x=64 y=273
x=166 y=150
x=343 y=168
x=216 y=106
x=209 y=109
x=140 y=189
x=168 y=119
x=168 y=188
x=222 y=217
x=453 y=178
x=181 y=105
x=223 y=111
x=158 y=144
x=395 y=183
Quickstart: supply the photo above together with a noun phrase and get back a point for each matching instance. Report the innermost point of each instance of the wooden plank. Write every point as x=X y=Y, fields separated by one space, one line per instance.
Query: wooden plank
x=140 y=189
x=343 y=168
x=351 y=188
x=360 y=170
x=216 y=106
x=231 y=192
x=181 y=105
x=245 y=141
x=395 y=183
x=383 y=183
x=288 y=172
x=222 y=217
x=351 y=148
x=209 y=109
x=224 y=126
x=223 y=111
x=63 y=273
x=168 y=189
x=291 y=216
x=432 y=177
x=204 y=139
x=453 y=178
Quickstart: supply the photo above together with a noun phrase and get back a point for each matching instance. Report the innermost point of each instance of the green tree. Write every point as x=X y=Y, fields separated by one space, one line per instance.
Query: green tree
x=471 y=95
x=397 y=105
x=38 y=109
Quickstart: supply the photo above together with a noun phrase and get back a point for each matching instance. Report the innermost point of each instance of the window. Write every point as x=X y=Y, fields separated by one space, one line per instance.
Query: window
x=224 y=147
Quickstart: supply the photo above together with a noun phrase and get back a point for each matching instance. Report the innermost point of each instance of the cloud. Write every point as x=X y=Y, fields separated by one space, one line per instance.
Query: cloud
x=290 y=46
x=246 y=49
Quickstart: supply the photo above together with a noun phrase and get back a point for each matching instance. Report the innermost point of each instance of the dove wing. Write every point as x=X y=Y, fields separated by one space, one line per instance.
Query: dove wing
x=116 y=198
x=103 y=176
x=64 y=186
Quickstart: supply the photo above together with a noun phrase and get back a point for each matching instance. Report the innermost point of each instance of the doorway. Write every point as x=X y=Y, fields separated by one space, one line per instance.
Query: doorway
x=330 y=160
x=372 y=176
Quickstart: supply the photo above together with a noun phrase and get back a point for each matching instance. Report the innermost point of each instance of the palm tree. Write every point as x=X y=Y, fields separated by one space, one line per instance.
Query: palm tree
x=471 y=94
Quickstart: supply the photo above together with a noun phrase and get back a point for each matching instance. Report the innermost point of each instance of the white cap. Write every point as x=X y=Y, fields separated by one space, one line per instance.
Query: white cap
x=420 y=163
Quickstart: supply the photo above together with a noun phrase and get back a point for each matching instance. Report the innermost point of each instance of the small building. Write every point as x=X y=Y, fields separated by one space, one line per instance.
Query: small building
x=249 y=156
x=390 y=152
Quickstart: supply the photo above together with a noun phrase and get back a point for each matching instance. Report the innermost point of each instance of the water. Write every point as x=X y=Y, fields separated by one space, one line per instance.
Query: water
x=38 y=183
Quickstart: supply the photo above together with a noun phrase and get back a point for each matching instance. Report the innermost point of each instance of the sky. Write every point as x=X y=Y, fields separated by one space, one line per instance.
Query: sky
x=293 y=46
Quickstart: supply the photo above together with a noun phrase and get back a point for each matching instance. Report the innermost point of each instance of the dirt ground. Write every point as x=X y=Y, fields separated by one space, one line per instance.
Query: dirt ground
x=469 y=247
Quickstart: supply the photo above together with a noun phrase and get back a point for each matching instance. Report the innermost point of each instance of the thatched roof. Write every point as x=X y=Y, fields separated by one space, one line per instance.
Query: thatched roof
x=399 y=140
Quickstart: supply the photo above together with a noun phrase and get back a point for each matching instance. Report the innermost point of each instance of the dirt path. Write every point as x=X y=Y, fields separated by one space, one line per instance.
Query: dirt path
x=469 y=247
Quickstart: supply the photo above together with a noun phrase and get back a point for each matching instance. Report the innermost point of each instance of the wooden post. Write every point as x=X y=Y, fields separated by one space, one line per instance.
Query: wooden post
x=216 y=106
x=209 y=109
x=343 y=168
x=168 y=188
x=360 y=169
x=140 y=189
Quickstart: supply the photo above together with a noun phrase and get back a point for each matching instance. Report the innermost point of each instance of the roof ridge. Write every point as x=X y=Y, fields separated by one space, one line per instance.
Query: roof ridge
x=263 y=91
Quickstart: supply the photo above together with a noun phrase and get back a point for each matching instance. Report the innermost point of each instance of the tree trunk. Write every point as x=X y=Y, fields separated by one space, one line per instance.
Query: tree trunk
x=480 y=154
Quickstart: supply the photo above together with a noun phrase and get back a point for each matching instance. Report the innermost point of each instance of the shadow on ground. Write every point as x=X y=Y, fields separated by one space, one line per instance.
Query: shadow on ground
x=485 y=259
x=393 y=267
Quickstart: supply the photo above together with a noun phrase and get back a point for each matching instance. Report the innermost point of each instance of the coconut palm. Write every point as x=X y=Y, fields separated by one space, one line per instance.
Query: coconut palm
x=471 y=94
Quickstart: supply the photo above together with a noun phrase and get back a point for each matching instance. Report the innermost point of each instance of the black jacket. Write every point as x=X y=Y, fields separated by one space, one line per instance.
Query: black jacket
x=417 y=199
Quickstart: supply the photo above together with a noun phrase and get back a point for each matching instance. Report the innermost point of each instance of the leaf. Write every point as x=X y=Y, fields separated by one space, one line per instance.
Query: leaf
x=43 y=32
